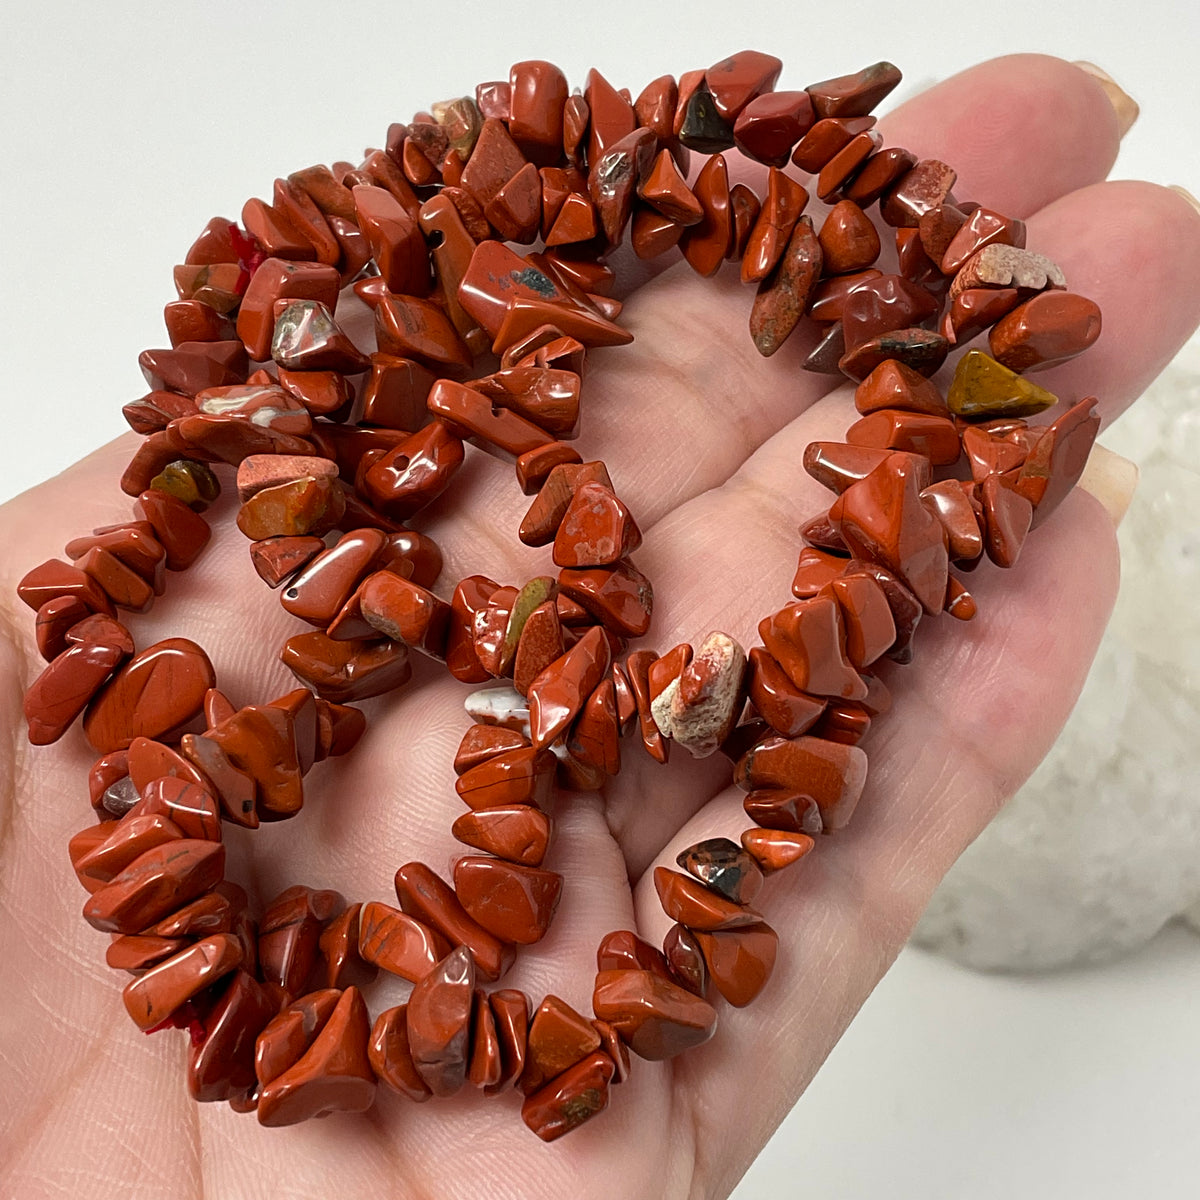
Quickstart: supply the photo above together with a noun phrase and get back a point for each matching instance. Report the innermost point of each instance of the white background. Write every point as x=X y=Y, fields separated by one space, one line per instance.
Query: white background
x=125 y=127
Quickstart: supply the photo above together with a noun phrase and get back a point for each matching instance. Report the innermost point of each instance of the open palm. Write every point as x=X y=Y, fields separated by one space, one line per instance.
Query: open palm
x=703 y=439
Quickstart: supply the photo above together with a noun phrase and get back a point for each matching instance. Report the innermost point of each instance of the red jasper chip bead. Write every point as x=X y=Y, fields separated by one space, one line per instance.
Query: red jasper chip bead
x=784 y=295
x=739 y=961
x=654 y=1016
x=390 y=1055
x=430 y=899
x=513 y=902
x=578 y=1094
x=156 y=883
x=597 y=529
x=854 y=95
x=829 y=773
x=62 y=691
x=558 y=1038
x=691 y=903
x=153 y=996
x=221 y=1066
x=439 y=1022
x=1046 y=330
x=398 y=943
x=510 y=1011
x=770 y=125
x=333 y=1075
x=775 y=849
x=521 y=776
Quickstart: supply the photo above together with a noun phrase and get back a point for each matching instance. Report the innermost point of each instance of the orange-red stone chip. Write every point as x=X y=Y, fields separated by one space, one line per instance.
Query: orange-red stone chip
x=849 y=242
x=655 y=1017
x=784 y=707
x=152 y=997
x=510 y=1011
x=398 y=943
x=558 y=1038
x=771 y=124
x=785 y=293
x=127 y=840
x=807 y=638
x=338 y=946
x=522 y=776
x=932 y=437
x=540 y=644
x=541 y=522
x=291 y=1032
x=333 y=1075
x=775 y=849
x=706 y=244
x=781 y=209
x=519 y=833
x=426 y=896
x=557 y=695
x=156 y=883
x=883 y=520
x=482 y=742
x=1056 y=462
x=391 y=1057
x=439 y=1023
x=866 y=618
x=620 y=597
x=596 y=530
x=222 y=1065
x=566 y=1102
x=854 y=95
x=486 y=1064
x=1046 y=330
x=405 y=612
x=65 y=687
x=55 y=578
x=155 y=693
x=182 y=532
x=691 y=903
x=830 y=773
x=740 y=961
x=781 y=808
x=596 y=735
x=54 y=618
x=513 y=902
x=346 y=671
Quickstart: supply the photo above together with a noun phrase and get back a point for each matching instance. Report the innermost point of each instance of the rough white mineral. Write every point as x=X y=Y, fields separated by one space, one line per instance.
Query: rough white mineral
x=1102 y=846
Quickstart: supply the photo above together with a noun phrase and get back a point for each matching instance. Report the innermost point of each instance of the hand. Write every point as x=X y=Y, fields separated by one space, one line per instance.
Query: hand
x=703 y=439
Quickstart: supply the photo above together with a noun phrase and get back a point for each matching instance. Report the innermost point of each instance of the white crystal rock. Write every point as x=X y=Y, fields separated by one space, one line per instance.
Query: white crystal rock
x=1102 y=846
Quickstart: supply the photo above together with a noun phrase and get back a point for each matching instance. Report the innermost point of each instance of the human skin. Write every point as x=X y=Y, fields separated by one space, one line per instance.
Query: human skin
x=703 y=439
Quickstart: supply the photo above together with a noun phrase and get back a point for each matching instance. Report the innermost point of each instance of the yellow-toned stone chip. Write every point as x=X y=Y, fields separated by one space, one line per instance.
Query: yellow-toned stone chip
x=982 y=387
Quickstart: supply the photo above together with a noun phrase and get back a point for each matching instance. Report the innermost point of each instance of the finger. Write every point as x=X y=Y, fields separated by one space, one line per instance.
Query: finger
x=1133 y=248
x=746 y=529
x=973 y=715
x=1021 y=131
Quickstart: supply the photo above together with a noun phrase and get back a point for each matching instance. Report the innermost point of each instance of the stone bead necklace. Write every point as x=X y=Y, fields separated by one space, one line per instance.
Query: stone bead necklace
x=337 y=449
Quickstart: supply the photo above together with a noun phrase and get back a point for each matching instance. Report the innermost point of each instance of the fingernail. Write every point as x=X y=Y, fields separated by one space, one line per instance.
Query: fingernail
x=1124 y=105
x=1112 y=479
x=1186 y=195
